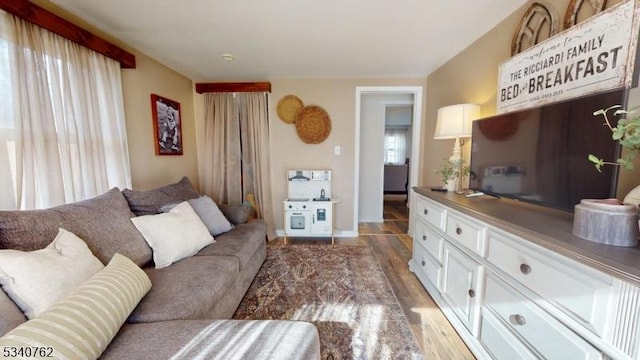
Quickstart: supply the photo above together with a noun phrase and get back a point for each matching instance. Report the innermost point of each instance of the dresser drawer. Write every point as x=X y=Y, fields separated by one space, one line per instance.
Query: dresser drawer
x=466 y=232
x=428 y=239
x=499 y=341
x=550 y=338
x=430 y=212
x=578 y=290
x=426 y=265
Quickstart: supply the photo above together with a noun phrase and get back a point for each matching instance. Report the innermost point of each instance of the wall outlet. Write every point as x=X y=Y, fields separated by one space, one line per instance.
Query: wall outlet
x=337 y=150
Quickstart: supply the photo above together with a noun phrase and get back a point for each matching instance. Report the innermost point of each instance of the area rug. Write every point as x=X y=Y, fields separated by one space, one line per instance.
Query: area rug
x=340 y=289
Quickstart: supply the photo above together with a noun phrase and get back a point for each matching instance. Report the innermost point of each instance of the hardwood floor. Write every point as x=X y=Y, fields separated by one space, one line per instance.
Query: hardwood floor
x=392 y=247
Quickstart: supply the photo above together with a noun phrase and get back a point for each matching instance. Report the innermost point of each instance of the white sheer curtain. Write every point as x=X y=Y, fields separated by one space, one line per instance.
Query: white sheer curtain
x=62 y=132
x=220 y=157
x=254 y=123
x=234 y=156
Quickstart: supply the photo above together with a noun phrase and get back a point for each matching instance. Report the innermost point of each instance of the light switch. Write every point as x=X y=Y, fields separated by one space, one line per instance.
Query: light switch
x=337 y=150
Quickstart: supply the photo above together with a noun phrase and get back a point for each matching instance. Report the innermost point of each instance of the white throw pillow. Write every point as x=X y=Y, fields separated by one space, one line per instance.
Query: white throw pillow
x=35 y=280
x=82 y=324
x=174 y=235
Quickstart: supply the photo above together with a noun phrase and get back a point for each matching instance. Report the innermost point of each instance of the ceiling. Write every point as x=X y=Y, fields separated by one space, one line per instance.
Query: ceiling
x=296 y=38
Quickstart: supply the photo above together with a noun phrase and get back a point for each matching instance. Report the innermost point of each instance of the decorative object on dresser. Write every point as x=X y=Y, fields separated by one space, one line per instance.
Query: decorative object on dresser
x=454 y=122
x=516 y=284
x=606 y=221
x=610 y=221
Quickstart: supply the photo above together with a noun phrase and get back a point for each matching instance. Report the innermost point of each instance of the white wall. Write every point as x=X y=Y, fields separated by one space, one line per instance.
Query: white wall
x=372 y=122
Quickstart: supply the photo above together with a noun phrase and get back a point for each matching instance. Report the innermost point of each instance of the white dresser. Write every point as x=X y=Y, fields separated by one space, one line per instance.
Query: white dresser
x=516 y=284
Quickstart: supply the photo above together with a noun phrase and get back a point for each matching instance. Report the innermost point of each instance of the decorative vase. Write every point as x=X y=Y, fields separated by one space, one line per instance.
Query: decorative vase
x=607 y=221
x=450 y=185
x=633 y=197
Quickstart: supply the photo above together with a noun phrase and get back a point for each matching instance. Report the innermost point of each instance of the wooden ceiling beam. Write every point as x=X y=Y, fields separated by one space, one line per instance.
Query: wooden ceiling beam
x=45 y=19
x=233 y=87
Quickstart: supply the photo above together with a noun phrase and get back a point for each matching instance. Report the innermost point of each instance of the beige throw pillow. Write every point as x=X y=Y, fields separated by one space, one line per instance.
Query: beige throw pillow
x=82 y=324
x=34 y=280
x=175 y=235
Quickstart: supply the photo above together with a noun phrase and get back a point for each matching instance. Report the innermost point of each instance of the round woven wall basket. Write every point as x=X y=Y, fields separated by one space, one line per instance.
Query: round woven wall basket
x=288 y=108
x=313 y=124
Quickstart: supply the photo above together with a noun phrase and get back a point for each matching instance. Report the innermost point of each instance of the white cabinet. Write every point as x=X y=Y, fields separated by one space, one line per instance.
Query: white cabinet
x=460 y=286
x=511 y=298
x=322 y=218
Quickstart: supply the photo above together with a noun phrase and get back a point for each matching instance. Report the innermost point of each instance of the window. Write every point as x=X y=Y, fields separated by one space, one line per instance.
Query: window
x=62 y=130
x=395 y=145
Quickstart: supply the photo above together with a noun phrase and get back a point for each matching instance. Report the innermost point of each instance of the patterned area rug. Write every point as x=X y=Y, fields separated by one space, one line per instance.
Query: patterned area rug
x=342 y=290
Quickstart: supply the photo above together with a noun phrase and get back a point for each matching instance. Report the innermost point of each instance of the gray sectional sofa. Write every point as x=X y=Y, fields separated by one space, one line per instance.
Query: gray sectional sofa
x=186 y=313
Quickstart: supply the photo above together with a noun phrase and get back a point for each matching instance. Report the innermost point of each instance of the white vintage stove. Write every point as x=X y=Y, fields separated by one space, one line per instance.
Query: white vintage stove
x=308 y=210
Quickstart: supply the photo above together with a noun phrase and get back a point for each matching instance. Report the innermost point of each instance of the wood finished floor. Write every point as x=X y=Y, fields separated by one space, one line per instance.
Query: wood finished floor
x=392 y=247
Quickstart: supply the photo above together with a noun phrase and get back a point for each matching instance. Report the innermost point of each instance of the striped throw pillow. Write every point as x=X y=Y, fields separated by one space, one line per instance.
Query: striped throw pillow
x=82 y=324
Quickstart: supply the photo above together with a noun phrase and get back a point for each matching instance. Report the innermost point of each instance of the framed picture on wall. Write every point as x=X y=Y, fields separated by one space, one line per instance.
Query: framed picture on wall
x=167 y=125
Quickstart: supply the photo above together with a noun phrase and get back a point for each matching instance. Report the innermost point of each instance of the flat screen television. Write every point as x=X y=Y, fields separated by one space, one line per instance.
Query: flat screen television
x=540 y=155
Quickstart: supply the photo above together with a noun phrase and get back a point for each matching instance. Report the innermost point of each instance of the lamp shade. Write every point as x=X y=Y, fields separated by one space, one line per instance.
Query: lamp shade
x=454 y=121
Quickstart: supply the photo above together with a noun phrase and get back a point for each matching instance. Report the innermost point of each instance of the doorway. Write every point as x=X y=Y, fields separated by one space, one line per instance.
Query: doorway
x=371 y=104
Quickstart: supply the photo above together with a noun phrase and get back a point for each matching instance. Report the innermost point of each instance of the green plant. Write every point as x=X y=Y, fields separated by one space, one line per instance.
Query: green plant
x=451 y=169
x=626 y=132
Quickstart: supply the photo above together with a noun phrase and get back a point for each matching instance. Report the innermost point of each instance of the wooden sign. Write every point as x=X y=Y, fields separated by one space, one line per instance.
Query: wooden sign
x=594 y=56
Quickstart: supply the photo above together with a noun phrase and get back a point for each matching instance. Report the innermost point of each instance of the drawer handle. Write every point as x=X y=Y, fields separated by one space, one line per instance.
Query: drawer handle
x=517 y=320
x=472 y=293
x=424 y=263
x=424 y=237
x=525 y=269
x=426 y=211
x=458 y=230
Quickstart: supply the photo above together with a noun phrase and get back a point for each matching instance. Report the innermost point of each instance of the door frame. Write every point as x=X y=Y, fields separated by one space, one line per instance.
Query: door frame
x=416 y=123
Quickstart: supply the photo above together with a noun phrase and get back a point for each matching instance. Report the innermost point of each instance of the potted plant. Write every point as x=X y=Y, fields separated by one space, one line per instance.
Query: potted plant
x=610 y=221
x=626 y=132
x=451 y=171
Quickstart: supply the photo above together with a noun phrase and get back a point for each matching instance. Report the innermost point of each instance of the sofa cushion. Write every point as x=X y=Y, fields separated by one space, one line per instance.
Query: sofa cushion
x=175 y=235
x=36 y=279
x=149 y=202
x=10 y=314
x=82 y=324
x=188 y=289
x=103 y=222
x=219 y=339
x=242 y=242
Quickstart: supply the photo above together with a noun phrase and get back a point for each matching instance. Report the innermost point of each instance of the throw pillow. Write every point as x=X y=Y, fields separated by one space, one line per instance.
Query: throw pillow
x=236 y=213
x=37 y=279
x=174 y=235
x=82 y=324
x=209 y=213
x=149 y=202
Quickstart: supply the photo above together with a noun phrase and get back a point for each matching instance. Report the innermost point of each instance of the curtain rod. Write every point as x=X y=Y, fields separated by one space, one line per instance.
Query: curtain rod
x=233 y=87
x=45 y=19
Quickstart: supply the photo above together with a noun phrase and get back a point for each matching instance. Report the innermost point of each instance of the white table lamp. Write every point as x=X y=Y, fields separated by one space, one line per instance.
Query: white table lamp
x=454 y=122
